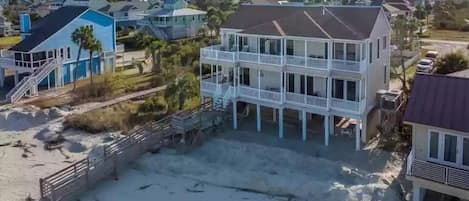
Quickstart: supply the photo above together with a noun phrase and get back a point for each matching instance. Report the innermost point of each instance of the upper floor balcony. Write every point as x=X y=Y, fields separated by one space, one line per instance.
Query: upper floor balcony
x=322 y=55
x=26 y=62
x=437 y=172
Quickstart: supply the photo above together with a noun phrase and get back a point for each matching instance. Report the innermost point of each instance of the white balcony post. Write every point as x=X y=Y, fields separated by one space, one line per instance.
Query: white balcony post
x=304 y=120
x=329 y=92
x=258 y=114
x=17 y=77
x=330 y=55
x=280 y=123
x=282 y=92
x=235 y=115
x=306 y=53
x=259 y=83
x=357 y=135
x=306 y=89
x=259 y=51
x=360 y=109
x=216 y=75
x=326 y=130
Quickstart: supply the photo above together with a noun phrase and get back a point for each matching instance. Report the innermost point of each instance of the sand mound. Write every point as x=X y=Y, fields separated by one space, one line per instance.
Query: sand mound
x=271 y=170
x=22 y=118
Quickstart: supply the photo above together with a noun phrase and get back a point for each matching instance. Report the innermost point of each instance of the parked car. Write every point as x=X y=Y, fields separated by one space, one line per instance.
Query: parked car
x=425 y=66
x=432 y=55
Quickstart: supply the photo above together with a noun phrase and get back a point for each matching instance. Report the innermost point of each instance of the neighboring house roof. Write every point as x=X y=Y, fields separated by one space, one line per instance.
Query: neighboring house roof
x=177 y=12
x=344 y=22
x=49 y=25
x=390 y=9
x=403 y=7
x=439 y=101
x=126 y=6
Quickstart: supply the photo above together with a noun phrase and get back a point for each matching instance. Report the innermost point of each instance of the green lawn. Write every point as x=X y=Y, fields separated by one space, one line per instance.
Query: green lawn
x=9 y=41
x=449 y=35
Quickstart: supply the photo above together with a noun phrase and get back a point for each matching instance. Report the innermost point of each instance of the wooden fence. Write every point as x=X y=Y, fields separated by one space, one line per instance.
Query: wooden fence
x=83 y=174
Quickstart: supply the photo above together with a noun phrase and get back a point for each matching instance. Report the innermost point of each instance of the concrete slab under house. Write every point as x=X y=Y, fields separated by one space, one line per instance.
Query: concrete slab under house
x=46 y=56
x=303 y=65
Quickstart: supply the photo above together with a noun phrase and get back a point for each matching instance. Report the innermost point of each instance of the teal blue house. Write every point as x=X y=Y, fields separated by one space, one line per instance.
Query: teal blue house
x=46 y=56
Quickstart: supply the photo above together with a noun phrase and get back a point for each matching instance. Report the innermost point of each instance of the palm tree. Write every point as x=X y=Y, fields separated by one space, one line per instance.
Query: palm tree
x=154 y=50
x=181 y=90
x=79 y=37
x=93 y=45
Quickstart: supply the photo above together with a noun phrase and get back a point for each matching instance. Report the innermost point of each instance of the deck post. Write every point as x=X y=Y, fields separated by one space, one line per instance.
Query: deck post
x=331 y=125
x=235 y=115
x=280 y=123
x=304 y=120
x=357 y=135
x=17 y=77
x=258 y=114
x=2 y=77
x=364 y=129
x=326 y=129
x=417 y=192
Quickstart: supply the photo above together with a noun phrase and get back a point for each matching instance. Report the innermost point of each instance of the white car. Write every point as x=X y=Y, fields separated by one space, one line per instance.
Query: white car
x=425 y=66
x=432 y=55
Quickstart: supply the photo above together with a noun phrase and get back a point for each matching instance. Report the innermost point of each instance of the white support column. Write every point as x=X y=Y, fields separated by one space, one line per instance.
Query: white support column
x=326 y=129
x=2 y=77
x=417 y=192
x=258 y=114
x=364 y=128
x=274 y=115
x=216 y=75
x=235 y=115
x=306 y=88
x=280 y=123
x=331 y=125
x=330 y=55
x=48 y=82
x=359 y=98
x=304 y=120
x=259 y=83
x=329 y=92
x=357 y=135
x=306 y=53
x=282 y=91
x=17 y=77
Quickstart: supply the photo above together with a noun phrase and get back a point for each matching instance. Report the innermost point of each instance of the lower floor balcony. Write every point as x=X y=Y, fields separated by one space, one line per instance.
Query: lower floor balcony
x=439 y=173
x=305 y=100
x=269 y=94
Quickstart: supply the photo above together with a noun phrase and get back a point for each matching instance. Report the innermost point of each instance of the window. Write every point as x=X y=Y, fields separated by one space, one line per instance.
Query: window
x=61 y=53
x=352 y=91
x=338 y=89
x=245 y=77
x=291 y=82
x=434 y=142
x=68 y=53
x=351 y=52
x=465 y=152
x=302 y=84
x=370 y=56
x=385 y=74
x=377 y=49
x=385 y=42
x=310 y=86
x=290 y=47
x=326 y=50
x=338 y=51
x=449 y=153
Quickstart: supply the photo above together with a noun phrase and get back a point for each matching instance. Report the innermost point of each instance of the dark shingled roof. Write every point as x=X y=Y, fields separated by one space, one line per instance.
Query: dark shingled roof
x=439 y=101
x=354 y=23
x=49 y=25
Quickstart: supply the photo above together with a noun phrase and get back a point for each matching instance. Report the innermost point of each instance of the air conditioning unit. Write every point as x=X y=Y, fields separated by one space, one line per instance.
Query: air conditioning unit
x=389 y=99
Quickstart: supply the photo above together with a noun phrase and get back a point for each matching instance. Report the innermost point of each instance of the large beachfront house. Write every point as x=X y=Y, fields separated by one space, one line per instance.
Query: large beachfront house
x=47 y=55
x=438 y=111
x=174 y=21
x=320 y=64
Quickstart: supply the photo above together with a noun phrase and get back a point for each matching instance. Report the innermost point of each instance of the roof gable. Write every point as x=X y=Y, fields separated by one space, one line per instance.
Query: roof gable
x=439 y=101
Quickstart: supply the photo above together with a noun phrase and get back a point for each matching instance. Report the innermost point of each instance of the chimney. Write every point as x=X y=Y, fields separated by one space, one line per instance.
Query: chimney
x=25 y=25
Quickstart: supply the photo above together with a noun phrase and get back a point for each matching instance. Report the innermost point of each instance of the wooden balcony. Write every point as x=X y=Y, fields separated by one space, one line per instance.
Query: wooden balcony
x=439 y=173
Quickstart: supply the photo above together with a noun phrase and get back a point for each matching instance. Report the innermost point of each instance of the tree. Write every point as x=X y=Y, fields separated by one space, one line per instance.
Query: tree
x=403 y=35
x=80 y=36
x=93 y=45
x=154 y=50
x=420 y=12
x=452 y=62
x=181 y=90
x=428 y=10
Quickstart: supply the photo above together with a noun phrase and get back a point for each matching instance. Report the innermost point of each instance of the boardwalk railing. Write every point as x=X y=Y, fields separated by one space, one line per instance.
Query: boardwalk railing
x=83 y=174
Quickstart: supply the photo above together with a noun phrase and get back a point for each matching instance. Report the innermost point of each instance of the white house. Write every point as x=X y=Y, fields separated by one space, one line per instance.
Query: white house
x=323 y=63
x=438 y=164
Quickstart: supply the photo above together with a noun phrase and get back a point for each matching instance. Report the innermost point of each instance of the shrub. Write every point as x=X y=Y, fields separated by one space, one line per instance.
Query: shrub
x=452 y=62
x=157 y=81
x=154 y=104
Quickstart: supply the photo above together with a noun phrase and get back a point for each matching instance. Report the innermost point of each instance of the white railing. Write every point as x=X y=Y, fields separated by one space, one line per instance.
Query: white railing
x=306 y=62
x=217 y=53
x=268 y=95
x=344 y=65
x=316 y=101
x=438 y=173
x=31 y=82
x=317 y=63
x=342 y=104
x=270 y=59
x=248 y=92
x=208 y=86
x=249 y=57
x=295 y=98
